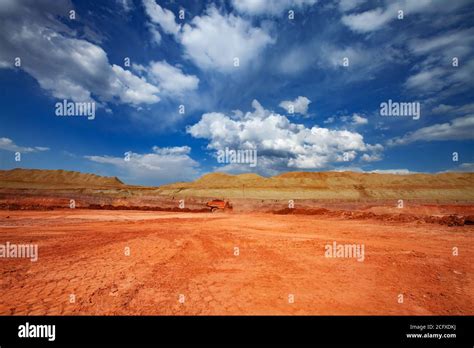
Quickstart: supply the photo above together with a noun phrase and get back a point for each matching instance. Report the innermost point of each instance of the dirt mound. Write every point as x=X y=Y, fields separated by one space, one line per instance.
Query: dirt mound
x=319 y=211
x=54 y=179
x=223 y=180
x=330 y=185
x=448 y=220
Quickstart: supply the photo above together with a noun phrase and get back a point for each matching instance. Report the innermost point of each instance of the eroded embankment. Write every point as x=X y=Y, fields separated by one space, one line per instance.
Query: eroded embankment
x=449 y=220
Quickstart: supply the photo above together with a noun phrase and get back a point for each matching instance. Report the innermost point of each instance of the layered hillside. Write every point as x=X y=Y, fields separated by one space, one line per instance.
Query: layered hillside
x=292 y=185
x=330 y=185
x=54 y=179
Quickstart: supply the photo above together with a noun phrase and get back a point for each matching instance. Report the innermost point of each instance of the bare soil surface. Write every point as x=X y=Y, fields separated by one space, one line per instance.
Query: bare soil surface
x=192 y=256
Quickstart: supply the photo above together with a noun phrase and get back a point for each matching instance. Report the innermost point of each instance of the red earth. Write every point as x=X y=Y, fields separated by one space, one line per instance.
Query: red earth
x=128 y=262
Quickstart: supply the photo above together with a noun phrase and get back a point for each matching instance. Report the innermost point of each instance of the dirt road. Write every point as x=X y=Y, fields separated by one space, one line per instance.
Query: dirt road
x=147 y=263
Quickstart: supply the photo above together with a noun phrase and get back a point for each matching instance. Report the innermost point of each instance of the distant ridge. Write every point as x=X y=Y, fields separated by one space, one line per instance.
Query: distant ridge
x=330 y=185
x=39 y=178
x=291 y=185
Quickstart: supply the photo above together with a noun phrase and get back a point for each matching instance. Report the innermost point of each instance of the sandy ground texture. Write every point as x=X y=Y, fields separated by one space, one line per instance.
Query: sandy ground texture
x=188 y=264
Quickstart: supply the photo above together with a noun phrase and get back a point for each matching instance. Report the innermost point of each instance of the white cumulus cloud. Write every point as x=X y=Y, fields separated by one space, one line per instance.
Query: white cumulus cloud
x=170 y=79
x=280 y=144
x=161 y=16
x=212 y=40
x=65 y=66
x=299 y=105
x=359 y=120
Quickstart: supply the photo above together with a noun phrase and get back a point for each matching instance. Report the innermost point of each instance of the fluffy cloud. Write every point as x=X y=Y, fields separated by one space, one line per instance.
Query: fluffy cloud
x=299 y=105
x=369 y=20
x=213 y=40
x=354 y=120
x=280 y=144
x=130 y=88
x=163 y=165
x=8 y=145
x=170 y=79
x=63 y=65
x=461 y=128
x=359 y=120
x=161 y=16
x=374 y=153
x=260 y=7
x=371 y=158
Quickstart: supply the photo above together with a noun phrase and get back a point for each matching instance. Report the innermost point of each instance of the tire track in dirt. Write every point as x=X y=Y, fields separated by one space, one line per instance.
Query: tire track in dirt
x=279 y=255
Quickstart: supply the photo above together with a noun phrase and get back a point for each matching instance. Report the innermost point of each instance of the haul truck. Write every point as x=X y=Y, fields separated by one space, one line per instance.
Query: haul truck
x=219 y=204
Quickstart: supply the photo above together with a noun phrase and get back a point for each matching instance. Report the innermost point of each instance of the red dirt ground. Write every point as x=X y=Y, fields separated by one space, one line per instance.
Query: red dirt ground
x=81 y=252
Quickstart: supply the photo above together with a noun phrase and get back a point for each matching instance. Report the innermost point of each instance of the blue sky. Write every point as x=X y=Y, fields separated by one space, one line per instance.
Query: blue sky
x=305 y=94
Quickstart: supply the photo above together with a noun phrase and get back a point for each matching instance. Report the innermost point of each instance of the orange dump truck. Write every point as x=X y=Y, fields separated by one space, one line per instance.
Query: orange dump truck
x=218 y=204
